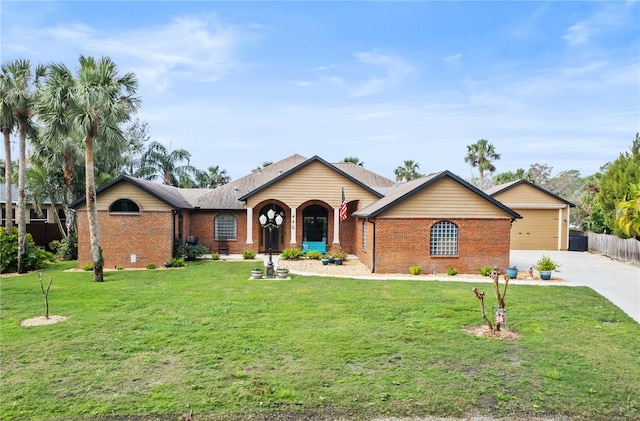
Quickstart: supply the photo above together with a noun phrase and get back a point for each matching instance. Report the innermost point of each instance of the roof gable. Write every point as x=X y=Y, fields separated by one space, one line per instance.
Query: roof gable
x=314 y=159
x=169 y=195
x=514 y=192
x=412 y=189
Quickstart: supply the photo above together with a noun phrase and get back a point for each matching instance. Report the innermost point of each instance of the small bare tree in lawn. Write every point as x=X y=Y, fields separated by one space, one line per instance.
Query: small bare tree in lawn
x=46 y=295
x=501 y=312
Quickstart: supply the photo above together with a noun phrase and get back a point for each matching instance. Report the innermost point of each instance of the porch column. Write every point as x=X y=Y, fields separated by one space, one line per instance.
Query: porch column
x=293 y=211
x=336 y=225
x=249 y=225
x=560 y=228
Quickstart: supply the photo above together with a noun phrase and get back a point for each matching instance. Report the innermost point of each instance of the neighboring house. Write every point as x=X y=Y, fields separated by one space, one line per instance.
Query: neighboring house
x=545 y=216
x=42 y=227
x=437 y=222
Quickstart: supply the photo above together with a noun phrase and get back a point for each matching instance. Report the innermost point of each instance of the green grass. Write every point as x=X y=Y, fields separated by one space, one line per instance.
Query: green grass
x=158 y=344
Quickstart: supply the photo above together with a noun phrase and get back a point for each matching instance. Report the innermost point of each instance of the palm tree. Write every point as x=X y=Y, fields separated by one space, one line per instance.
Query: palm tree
x=481 y=154
x=19 y=98
x=408 y=171
x=7 y=125
x=60 y=159
x=90 y=106
x=159 y=161
x=212 y=178
x=353 y=160
x=265 y=164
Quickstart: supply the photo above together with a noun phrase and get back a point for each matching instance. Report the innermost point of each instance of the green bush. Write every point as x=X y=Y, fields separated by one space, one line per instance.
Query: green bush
x=176 y=262
x=314 y=254
x=415 y=270
x=67 y=248
x=87 y=267
x=34 y=258
x=248 y=254
x=291 y=254
x=119 y=267
x=215 y=256
x=485 y=270
x=151 y=265
x=192 y=251
x=336 y=254
x=452 y=271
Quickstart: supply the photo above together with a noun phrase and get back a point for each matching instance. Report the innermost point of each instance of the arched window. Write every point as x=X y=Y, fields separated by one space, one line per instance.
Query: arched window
x=124 y=206
x=225 y=226
x=444 y=239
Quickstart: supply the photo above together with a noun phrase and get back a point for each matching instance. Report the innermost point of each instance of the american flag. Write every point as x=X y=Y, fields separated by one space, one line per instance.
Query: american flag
x=343 y=207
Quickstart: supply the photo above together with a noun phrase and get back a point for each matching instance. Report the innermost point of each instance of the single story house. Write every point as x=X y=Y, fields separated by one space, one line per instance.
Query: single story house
x=437 y=222
x=42 y=226
x=545 y=216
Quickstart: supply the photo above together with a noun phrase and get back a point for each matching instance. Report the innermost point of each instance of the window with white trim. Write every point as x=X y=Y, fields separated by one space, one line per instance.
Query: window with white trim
x=444 y=239
x=225 y=226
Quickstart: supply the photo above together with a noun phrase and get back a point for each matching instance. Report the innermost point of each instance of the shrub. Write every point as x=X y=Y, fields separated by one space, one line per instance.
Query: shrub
x=248 y=254
x=151 y=265
x=291 y=254
x=485 y=270
x=545 y=263
x=192 y=251
x=215 y=256
x=67 y=248
x=87 y=267
x=452 y=271
x=336 y=254
x=314 y=254
x=119 y=267
x=34 y=258
x=176 y=262
x=415 y=270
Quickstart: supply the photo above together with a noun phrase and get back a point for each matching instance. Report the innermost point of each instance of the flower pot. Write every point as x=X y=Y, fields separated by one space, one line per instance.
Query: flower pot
x=545 y=275
x=325 y=262
x=337 y=261
x=282 y=273
x=513 y=273
x=331 y=259
x=256 y=273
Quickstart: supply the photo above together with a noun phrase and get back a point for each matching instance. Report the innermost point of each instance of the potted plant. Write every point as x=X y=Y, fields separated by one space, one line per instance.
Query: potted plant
x=545 y=266
x=325 y=260
x=256 y=273
x=512 y=271
x=338 y=257
x=282 y=272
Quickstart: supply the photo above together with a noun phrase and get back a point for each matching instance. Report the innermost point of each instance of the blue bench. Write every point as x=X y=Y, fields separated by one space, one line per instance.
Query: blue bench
x=320 y=246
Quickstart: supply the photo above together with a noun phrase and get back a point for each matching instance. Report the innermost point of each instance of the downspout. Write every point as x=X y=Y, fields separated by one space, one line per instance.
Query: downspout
x=373 y=265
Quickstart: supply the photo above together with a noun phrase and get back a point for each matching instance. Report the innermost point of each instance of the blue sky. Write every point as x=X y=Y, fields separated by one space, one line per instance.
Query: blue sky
x=240 y=83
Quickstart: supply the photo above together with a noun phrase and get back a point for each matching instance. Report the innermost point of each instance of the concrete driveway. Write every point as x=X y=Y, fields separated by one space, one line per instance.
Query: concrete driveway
x=617 y=281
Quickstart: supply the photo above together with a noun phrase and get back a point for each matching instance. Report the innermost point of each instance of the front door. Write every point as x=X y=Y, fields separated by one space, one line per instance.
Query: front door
x=271 y=238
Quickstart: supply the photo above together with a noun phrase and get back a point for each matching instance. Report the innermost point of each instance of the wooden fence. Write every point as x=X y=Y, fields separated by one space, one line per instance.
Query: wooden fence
x=609 y=245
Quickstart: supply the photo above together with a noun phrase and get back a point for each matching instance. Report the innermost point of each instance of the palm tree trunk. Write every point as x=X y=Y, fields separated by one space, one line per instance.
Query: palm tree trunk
x=22 y=206
x=92 y=211
x=8 y=184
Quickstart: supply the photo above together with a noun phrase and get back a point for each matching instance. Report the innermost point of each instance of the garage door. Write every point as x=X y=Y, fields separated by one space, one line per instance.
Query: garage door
x=537 y=230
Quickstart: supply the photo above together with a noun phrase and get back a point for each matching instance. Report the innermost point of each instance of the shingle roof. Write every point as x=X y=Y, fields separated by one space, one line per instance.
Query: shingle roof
x=506 y=186
x=405 y=190
x=172 y=196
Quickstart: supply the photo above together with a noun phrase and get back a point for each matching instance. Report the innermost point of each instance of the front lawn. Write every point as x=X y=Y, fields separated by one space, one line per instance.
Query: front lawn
x=156 y=344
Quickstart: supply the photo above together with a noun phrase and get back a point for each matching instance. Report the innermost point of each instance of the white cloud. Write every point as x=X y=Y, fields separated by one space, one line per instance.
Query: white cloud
x=195 y=48
x=611 y=16
x=395 y=71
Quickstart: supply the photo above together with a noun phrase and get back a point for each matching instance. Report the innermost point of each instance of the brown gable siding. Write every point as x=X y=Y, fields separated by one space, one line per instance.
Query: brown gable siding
x=127 y=191
x=445 y=199
x=314 y=181
x=526 y=194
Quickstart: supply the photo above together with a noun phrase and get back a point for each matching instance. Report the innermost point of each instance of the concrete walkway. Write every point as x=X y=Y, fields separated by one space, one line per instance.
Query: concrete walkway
x=617 y=281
